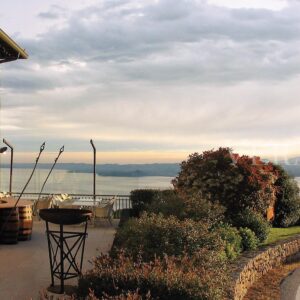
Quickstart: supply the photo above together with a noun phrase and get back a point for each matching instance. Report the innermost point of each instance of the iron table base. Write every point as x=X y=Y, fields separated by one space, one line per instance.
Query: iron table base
x=66 y=249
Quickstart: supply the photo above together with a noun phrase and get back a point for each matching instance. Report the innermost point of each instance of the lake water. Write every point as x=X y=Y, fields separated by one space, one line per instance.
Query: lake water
x=61 y=181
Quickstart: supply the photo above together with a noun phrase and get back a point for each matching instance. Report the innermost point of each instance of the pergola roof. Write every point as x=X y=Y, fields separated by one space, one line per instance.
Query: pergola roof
x=9 y=50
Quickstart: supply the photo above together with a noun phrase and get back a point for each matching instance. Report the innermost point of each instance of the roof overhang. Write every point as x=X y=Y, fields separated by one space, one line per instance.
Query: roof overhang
x=10 y=50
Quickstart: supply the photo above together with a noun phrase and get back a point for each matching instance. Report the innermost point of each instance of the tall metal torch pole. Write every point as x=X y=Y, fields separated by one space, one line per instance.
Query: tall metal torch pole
x=11 y=163
x=94 y=182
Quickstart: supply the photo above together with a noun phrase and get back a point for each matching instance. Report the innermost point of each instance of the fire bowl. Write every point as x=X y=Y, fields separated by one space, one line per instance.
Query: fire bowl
x=65 y=216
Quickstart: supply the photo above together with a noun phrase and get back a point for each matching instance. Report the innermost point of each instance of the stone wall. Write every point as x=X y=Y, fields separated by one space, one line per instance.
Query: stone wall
x=253 y=265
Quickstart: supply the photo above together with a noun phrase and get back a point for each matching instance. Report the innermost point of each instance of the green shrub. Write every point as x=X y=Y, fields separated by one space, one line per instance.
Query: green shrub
x=233 y=241
x=164 y=279
x=287 y=206
x=194 y=207
x=168 y=203
x=140 y=199
x=199 y=209
x=155 y=235
x=124 y=296
x=125 y=215
x=249 y=239
x=254 y=221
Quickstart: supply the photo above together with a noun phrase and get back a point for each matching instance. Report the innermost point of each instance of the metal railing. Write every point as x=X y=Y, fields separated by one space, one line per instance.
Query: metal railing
x=122 y=201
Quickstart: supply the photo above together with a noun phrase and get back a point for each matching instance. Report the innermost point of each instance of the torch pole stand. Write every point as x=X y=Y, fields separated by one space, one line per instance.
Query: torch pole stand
x=64 y=247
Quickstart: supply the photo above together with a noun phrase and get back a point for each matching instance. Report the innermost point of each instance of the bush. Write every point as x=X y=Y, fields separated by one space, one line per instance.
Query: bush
x=124 y=296
x=140 y=199
x=199 y=209
x=233 y=241
x=253 y=221
x=164 y=279
x=249 y=239
x=236 y=182
x=287 y=206
x=168 y=203
x=155 y=235
x=125 y=215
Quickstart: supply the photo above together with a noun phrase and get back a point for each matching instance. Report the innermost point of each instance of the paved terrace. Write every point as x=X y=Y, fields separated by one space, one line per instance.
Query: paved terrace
x=24 y=267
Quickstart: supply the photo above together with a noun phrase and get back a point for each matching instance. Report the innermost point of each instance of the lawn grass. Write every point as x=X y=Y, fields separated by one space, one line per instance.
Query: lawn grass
x=277 y=234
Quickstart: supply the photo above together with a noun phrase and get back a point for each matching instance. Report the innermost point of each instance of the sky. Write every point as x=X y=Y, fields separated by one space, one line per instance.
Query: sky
x=152 y=81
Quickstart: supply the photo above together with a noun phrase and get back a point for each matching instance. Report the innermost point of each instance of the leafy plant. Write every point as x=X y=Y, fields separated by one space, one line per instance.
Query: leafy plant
x=236 y=182
x=164 y=279
x=200 y=209
x=287 y=207
x=254 y=221
x=233 y=241
x=249 y=239
x=140 y=199
x=168 y=203
x=125 y=215
x=155 y=235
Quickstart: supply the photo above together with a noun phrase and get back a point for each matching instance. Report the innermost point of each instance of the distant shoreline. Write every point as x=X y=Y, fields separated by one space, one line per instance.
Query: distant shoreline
x=129 y=170
x=111 y=170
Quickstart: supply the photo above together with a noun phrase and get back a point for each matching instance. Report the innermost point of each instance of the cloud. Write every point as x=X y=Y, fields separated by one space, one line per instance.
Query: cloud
x=265 y=4
x=55 y=12
x=188 y=38
x=169 y=74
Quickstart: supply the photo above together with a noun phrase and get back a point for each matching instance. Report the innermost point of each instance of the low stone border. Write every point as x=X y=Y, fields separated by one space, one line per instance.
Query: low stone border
x=253 y=265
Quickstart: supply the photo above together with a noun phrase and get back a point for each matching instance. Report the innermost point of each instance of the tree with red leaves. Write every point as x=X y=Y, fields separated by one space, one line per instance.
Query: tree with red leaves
x=236 y=182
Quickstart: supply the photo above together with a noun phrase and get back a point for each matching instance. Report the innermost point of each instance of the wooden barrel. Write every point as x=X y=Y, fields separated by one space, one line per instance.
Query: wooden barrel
x=9 y=218
x=25 y=223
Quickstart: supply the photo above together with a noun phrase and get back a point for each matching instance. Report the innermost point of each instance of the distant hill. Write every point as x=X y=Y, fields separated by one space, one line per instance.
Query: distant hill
x=292 y=166
x=290 y=161
x=129 y=170
x=293 y=170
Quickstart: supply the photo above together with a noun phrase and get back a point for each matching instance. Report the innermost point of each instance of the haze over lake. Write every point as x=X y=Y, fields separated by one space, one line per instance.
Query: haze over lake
x=62 y=181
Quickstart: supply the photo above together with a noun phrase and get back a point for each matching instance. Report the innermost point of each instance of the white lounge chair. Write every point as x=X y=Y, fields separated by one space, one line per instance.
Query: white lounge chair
x=4 y=194
x=41 y=204
x=105 y=211
x=62 y=200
